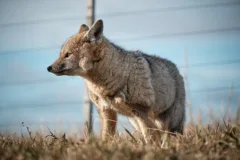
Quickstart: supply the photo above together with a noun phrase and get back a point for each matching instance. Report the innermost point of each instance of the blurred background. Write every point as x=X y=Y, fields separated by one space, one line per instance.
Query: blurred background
x=201 y=37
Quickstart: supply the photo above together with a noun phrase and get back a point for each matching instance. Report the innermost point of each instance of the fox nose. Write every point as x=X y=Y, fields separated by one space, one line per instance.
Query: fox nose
x=49 y=68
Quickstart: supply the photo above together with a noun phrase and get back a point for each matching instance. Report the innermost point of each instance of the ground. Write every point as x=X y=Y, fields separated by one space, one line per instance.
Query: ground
x=218 y=141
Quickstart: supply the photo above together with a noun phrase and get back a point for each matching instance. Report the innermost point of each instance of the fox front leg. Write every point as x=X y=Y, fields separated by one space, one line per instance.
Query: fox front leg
x=108 y=118
x=108 y=122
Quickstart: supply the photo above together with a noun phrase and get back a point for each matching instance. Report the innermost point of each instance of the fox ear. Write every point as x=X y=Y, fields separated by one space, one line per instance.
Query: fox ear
x=96 y=31
x=83 y=28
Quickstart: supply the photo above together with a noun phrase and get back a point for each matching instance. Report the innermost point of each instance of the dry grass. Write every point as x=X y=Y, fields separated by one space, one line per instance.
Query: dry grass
x=205 y=142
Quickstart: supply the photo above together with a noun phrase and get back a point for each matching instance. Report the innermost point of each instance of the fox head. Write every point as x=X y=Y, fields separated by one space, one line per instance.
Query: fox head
x=80 y=52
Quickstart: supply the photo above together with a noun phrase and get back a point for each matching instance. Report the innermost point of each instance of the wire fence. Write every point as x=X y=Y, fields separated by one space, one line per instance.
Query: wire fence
x=63 y=103
x=126 y=13
x=124 y=40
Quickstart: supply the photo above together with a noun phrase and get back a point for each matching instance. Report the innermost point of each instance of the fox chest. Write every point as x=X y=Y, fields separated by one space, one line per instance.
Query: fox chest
x=100 y=91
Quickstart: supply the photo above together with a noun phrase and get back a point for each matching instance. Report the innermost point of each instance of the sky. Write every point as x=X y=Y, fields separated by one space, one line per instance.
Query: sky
x=205 y=35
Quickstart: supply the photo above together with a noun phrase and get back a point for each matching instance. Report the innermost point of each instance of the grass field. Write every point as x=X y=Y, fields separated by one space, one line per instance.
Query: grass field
x=219 y=141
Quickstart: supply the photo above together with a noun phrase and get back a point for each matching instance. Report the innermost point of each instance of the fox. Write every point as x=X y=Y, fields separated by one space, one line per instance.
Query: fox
x=149 y=90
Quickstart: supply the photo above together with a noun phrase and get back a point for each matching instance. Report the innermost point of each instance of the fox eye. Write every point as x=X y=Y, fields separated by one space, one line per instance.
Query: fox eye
x=67 y=54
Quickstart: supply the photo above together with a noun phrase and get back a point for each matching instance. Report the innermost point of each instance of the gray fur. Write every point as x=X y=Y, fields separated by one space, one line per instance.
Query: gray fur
x=147 y=89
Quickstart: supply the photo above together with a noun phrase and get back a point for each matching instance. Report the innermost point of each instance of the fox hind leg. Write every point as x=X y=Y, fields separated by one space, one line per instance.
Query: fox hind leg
x=172 y=119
